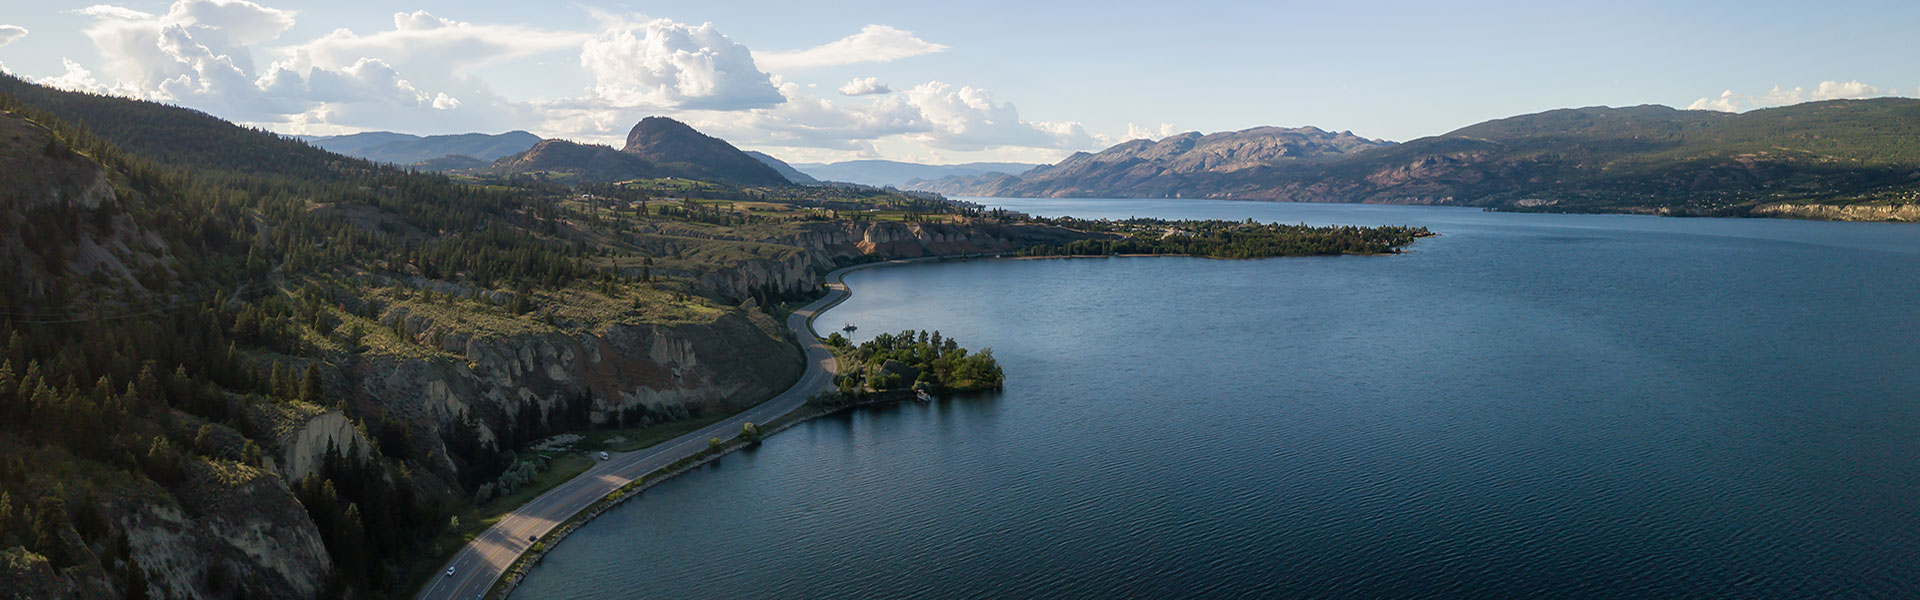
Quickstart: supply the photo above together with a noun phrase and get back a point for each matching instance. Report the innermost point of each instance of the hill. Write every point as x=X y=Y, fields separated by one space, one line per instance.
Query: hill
x=577 y=162
x=656 y=147
x=1172 y=165
x=404 y=149
x=237 y=365
x=1849 y=159
x=679 y=149
x=792 y=174
x=885 y=173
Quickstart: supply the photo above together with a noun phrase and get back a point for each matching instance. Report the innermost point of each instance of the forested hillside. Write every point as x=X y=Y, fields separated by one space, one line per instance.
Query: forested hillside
x=235 y=365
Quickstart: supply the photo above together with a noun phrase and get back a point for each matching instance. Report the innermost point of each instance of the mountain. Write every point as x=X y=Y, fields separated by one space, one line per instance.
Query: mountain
x=1637 y=159
x=1776 y=162
x=884 y=173
x=964 y=185
x=792 y=174
x=656 y=147
x=1166 y=167
x=578 y=162
x=403 y=149
x=681 y=150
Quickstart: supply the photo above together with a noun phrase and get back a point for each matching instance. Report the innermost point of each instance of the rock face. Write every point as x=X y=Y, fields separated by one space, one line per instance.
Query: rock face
x=694 y=155
x=302 y=449
x=475 y=385
x=232 y=522
x=482 y=383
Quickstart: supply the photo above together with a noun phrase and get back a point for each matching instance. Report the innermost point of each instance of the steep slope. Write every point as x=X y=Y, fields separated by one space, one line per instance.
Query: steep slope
x=404 y=149
x=180 y=137
x=679 y=149
x=578 y=162
x=885 y=173
x=1180 y=165
x=786 y=170
x=119 y=510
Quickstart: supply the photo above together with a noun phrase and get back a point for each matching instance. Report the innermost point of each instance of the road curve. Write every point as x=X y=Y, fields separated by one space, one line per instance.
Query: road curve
x=478 y=564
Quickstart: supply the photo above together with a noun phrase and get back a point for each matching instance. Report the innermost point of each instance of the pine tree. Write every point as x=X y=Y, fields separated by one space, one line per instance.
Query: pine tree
x=310 y=389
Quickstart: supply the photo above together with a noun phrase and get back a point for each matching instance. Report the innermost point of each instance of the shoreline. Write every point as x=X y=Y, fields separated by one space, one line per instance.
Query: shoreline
x=518 y=571
x=1778 y=210
x=838 y=292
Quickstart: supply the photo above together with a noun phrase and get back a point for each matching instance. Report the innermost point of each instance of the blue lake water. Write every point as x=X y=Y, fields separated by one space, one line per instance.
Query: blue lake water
x=1526 y=406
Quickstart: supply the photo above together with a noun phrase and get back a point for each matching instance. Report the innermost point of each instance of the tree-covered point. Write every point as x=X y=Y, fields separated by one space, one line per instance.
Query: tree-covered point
x=913 y=360
x=1227 y=239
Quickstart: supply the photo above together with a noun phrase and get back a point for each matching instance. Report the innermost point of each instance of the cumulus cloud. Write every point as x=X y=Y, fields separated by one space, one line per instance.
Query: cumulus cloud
x=666 y=64
x=200 y=54
x=423 y=45
x=874 y=43
x=967 y=118
x=1728 y=101
x=1136 y=132
x=11 y=33
x=934 y=114
x=423 y=75
x=865 y=86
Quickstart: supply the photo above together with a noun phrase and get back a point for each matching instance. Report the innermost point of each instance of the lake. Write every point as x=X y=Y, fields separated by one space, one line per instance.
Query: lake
x=1526 y=406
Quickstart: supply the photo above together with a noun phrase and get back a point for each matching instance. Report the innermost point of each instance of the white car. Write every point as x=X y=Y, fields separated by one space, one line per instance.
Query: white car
x=603 y=456
x=449 y=571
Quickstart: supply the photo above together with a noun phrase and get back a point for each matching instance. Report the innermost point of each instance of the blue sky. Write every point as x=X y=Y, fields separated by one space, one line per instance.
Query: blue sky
x=953 y=81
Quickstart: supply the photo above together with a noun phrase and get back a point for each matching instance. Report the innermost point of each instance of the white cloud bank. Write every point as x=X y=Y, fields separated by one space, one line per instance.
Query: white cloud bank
x=663 y=64
x=1728 y=101
x=421 y=76
x=11 y=33
x=865 y=86
x=874 y=43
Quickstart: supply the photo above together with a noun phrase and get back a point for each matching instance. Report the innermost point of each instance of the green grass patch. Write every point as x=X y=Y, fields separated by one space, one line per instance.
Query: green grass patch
x=561 y=468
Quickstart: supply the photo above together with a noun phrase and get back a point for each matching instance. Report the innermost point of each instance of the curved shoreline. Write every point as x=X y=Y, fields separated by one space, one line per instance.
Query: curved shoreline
x=529 y=554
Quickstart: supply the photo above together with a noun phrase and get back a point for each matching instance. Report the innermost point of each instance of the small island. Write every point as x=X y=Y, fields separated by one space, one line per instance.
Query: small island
x=1223 y=239
x=917 y=362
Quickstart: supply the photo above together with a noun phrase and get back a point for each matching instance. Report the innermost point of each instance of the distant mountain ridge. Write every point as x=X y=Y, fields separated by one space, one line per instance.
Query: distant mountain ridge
x=883 y=173
x=404 y=149
x=656 y=147
x=792 y=174
x=1167 y=166
x=1636 y=159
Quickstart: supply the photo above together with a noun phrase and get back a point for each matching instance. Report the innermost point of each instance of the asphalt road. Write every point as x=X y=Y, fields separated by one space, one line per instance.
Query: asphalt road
x=480 y=562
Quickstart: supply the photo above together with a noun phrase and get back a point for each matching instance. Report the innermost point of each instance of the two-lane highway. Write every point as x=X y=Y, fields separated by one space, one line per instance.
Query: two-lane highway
x=477 y=565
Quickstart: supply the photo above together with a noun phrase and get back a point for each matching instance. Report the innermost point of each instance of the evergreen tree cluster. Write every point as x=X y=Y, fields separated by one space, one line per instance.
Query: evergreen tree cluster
x=916 y=360
x=1227 y=239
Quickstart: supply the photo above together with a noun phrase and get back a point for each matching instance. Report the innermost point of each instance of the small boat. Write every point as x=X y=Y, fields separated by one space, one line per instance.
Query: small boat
x=849 y=327
x=922 y=396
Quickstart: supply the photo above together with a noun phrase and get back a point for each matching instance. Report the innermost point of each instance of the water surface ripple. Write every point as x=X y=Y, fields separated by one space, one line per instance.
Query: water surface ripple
x=1528 y=406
